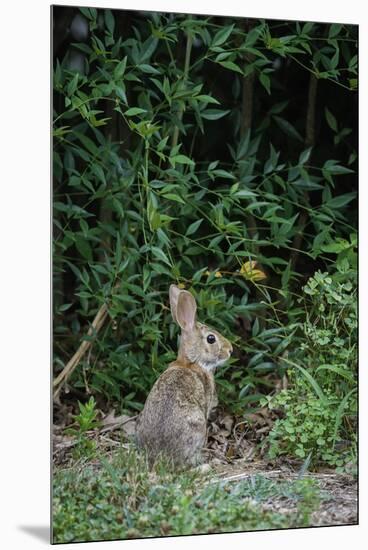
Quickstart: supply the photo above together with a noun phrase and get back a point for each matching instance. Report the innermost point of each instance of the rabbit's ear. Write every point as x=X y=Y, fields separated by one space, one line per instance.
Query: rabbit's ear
x=186 y=310
x=174 y=292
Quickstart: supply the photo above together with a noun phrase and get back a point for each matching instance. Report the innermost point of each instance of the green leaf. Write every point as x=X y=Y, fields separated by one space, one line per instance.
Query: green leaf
x=221 y=36
x=82 y=47
x=118 y=250
x=287 y=128
x=99 y=173
x=299 y=451
x=73 y=84
x=163 y=238
x=334 y=61
x=120 y=69
x=331 y=120
x=334 y=30
x=83 y=247
x=84 y=227
x=87 y=142
x=341 y=372
x=222 y=56
x=58 y=132
x=244 y=194
x=89 y=13
x=266 y=365
x=304 y=156
x=135 y=111
x=193 y=227
x=223 y=174
x=278 y=107
x=255 y=328
x=340 y=201
x=231 y=66
x=313 y=383
x=252 y=36
x=353 y=62
x=148 y=69
x=332 y=167
x=265 y=81
x=339 y=414
x=307 y=27
x=148 y=47
x=336 y=247
x=109 y=21
x=206 y=99
x=271 y=163
x=159 y=268
x=174 y=197
x=162 y=143
x=121 y=93
x=64 y=307
x=57 y=74
x=212 y=165
x=353 y=83
x=213 y=114
x=181 y=159
x=160 y=255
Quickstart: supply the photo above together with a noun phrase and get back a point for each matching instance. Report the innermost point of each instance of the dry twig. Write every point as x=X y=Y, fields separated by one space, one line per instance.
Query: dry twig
x=95 y=327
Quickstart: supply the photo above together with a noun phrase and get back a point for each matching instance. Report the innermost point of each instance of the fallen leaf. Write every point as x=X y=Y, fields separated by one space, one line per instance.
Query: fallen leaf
x=228 y=421
x=111 y=422
x=251 y=273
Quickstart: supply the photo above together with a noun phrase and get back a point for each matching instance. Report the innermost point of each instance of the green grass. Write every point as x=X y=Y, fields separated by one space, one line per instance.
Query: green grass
x=117 y=497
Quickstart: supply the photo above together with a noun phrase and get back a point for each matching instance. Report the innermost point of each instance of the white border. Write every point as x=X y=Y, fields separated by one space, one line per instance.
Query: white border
x=25 y=273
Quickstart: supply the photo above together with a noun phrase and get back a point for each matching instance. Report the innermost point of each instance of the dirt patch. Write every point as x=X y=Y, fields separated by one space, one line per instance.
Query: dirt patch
x=339 y=492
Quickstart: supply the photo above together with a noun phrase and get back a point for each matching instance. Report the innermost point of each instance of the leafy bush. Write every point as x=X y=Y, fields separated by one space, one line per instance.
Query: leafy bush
x=186 y=148
x=320 y=407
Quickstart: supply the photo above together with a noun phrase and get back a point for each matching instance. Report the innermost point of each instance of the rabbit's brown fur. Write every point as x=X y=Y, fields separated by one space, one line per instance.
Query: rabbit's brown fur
x=173 y=422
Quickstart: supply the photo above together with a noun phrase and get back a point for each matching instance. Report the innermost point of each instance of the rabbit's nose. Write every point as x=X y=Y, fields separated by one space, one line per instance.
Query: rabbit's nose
x=230 y=348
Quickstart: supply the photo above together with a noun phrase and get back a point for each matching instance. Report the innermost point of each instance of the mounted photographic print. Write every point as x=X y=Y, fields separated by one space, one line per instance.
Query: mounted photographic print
x=204 y=274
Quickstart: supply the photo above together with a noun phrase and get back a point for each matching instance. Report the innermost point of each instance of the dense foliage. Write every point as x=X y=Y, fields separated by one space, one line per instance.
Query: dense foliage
x=320 y=407
x=187 y=148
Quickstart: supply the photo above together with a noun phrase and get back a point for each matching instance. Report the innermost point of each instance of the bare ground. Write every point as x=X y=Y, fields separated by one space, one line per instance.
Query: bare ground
x=339 y=492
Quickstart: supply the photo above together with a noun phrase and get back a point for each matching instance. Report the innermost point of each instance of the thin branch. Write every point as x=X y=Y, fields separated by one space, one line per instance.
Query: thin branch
x=117 y=424
x=314 y=73
x=95 y=327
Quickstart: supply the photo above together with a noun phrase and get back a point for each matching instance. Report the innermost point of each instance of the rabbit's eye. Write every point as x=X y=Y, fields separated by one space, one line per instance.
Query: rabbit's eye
x=211 y=339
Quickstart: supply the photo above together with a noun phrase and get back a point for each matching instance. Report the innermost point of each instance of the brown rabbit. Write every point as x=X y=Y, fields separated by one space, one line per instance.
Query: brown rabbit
x=173 y=422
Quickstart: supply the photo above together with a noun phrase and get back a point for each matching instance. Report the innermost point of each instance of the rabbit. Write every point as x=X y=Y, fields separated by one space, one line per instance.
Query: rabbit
x=173 y=422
